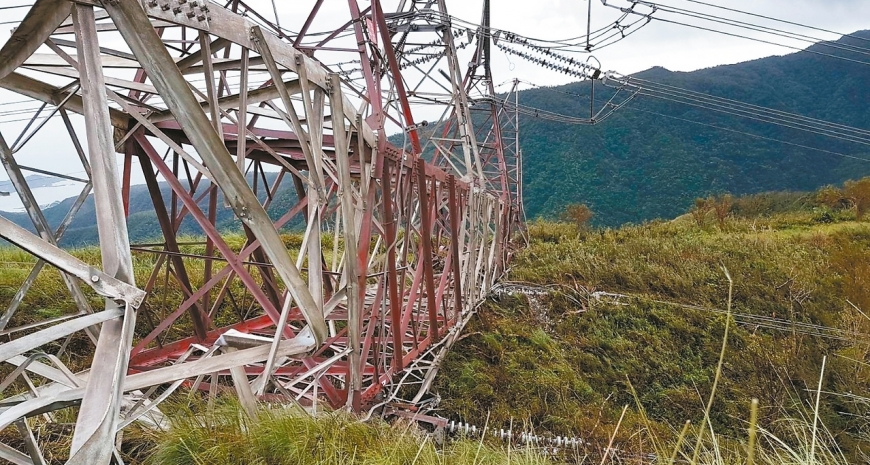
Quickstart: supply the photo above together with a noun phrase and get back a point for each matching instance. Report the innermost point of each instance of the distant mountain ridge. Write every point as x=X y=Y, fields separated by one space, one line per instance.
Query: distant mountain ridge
x=34 y=181
x=642 y=163
x=142 y=222
x=650 y=159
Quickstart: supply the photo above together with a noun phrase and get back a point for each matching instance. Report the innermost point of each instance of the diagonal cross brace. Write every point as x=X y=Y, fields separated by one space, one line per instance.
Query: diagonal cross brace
x=288 y=348
x=39 y=222
x=42 y=19
x=102 y=283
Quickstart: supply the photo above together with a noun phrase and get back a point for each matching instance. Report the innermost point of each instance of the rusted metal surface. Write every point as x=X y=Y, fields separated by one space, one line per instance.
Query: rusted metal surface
x=399 y=241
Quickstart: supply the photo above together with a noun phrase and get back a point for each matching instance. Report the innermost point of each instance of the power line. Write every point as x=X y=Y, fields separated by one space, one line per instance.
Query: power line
x=792 y=47
x=675 y=94
x=613 y=32
x=757 y=117
x=778 y=20
x=688 y=97
x=829 y=152
x=742 y=109
x=739 y=24
x=758 y=107
x=14 y=7
x=764 y=29
x=685 y=120
x=767 y=322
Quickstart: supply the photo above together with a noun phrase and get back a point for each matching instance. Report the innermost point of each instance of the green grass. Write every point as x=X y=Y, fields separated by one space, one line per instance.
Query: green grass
x=563 y=362
x=278 y=436
x=567 y=363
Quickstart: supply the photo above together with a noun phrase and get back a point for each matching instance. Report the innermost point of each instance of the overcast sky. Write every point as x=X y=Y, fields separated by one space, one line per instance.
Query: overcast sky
x=675 y=47
x=672 y=46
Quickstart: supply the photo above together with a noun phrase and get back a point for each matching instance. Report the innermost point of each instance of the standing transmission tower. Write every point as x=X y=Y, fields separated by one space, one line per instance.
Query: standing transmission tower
x=364 y=131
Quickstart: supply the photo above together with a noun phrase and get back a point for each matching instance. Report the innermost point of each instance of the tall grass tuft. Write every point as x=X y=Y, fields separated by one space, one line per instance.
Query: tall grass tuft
x=223 y=434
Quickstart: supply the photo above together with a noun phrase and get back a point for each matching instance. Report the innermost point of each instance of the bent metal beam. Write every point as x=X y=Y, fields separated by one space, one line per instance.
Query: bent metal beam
x=360 y=260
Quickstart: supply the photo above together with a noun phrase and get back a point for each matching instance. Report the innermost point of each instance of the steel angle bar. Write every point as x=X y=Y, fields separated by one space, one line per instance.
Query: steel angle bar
x=39 y=338
x=102 y=283
x=252 y=97
x=211 y=89
x=282 y=321
x=13 y=456
x=263 y=380
x=389 y=224
x=41 y=224
x=141 y=37
x=135 y=412
x=36 y=324
x=289 y=114
x=93 y=436
x=236 y=28
x=211 y=231
x=200 y=319
x=352 y=272
x=48 y=93
x=25 y=137
x=297 y=346
x=37 y=268
x=30 y=443
x=317 y=368
x=157 y=132
x=61 y=376
x=243 y=387
x=222 y=274
x=43 y=18
x=242 y=112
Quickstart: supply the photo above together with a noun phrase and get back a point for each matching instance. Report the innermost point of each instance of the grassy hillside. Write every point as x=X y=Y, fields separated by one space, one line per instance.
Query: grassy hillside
x=567 y=360
x=593 y=321
x=222 y=433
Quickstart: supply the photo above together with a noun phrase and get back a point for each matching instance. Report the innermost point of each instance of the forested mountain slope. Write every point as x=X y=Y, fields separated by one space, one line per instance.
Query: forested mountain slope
x=652 y=158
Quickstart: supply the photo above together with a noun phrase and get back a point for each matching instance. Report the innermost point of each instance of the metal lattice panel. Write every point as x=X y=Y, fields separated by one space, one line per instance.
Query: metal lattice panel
x=227 y=109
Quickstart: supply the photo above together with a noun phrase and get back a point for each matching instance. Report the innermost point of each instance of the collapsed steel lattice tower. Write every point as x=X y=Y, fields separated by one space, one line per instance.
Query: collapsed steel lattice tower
x=201 y=94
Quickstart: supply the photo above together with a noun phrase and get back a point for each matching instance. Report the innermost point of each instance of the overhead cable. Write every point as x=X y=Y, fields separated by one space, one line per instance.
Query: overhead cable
x=764 y=29
x=770 y=18
x=712 y=126
x=659 y=8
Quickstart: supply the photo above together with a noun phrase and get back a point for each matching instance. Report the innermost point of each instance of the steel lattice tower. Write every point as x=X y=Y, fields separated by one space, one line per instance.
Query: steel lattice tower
x=226 y=108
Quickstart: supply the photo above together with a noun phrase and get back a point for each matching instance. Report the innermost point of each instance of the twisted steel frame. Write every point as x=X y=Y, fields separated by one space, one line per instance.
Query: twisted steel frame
x=419 y=232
